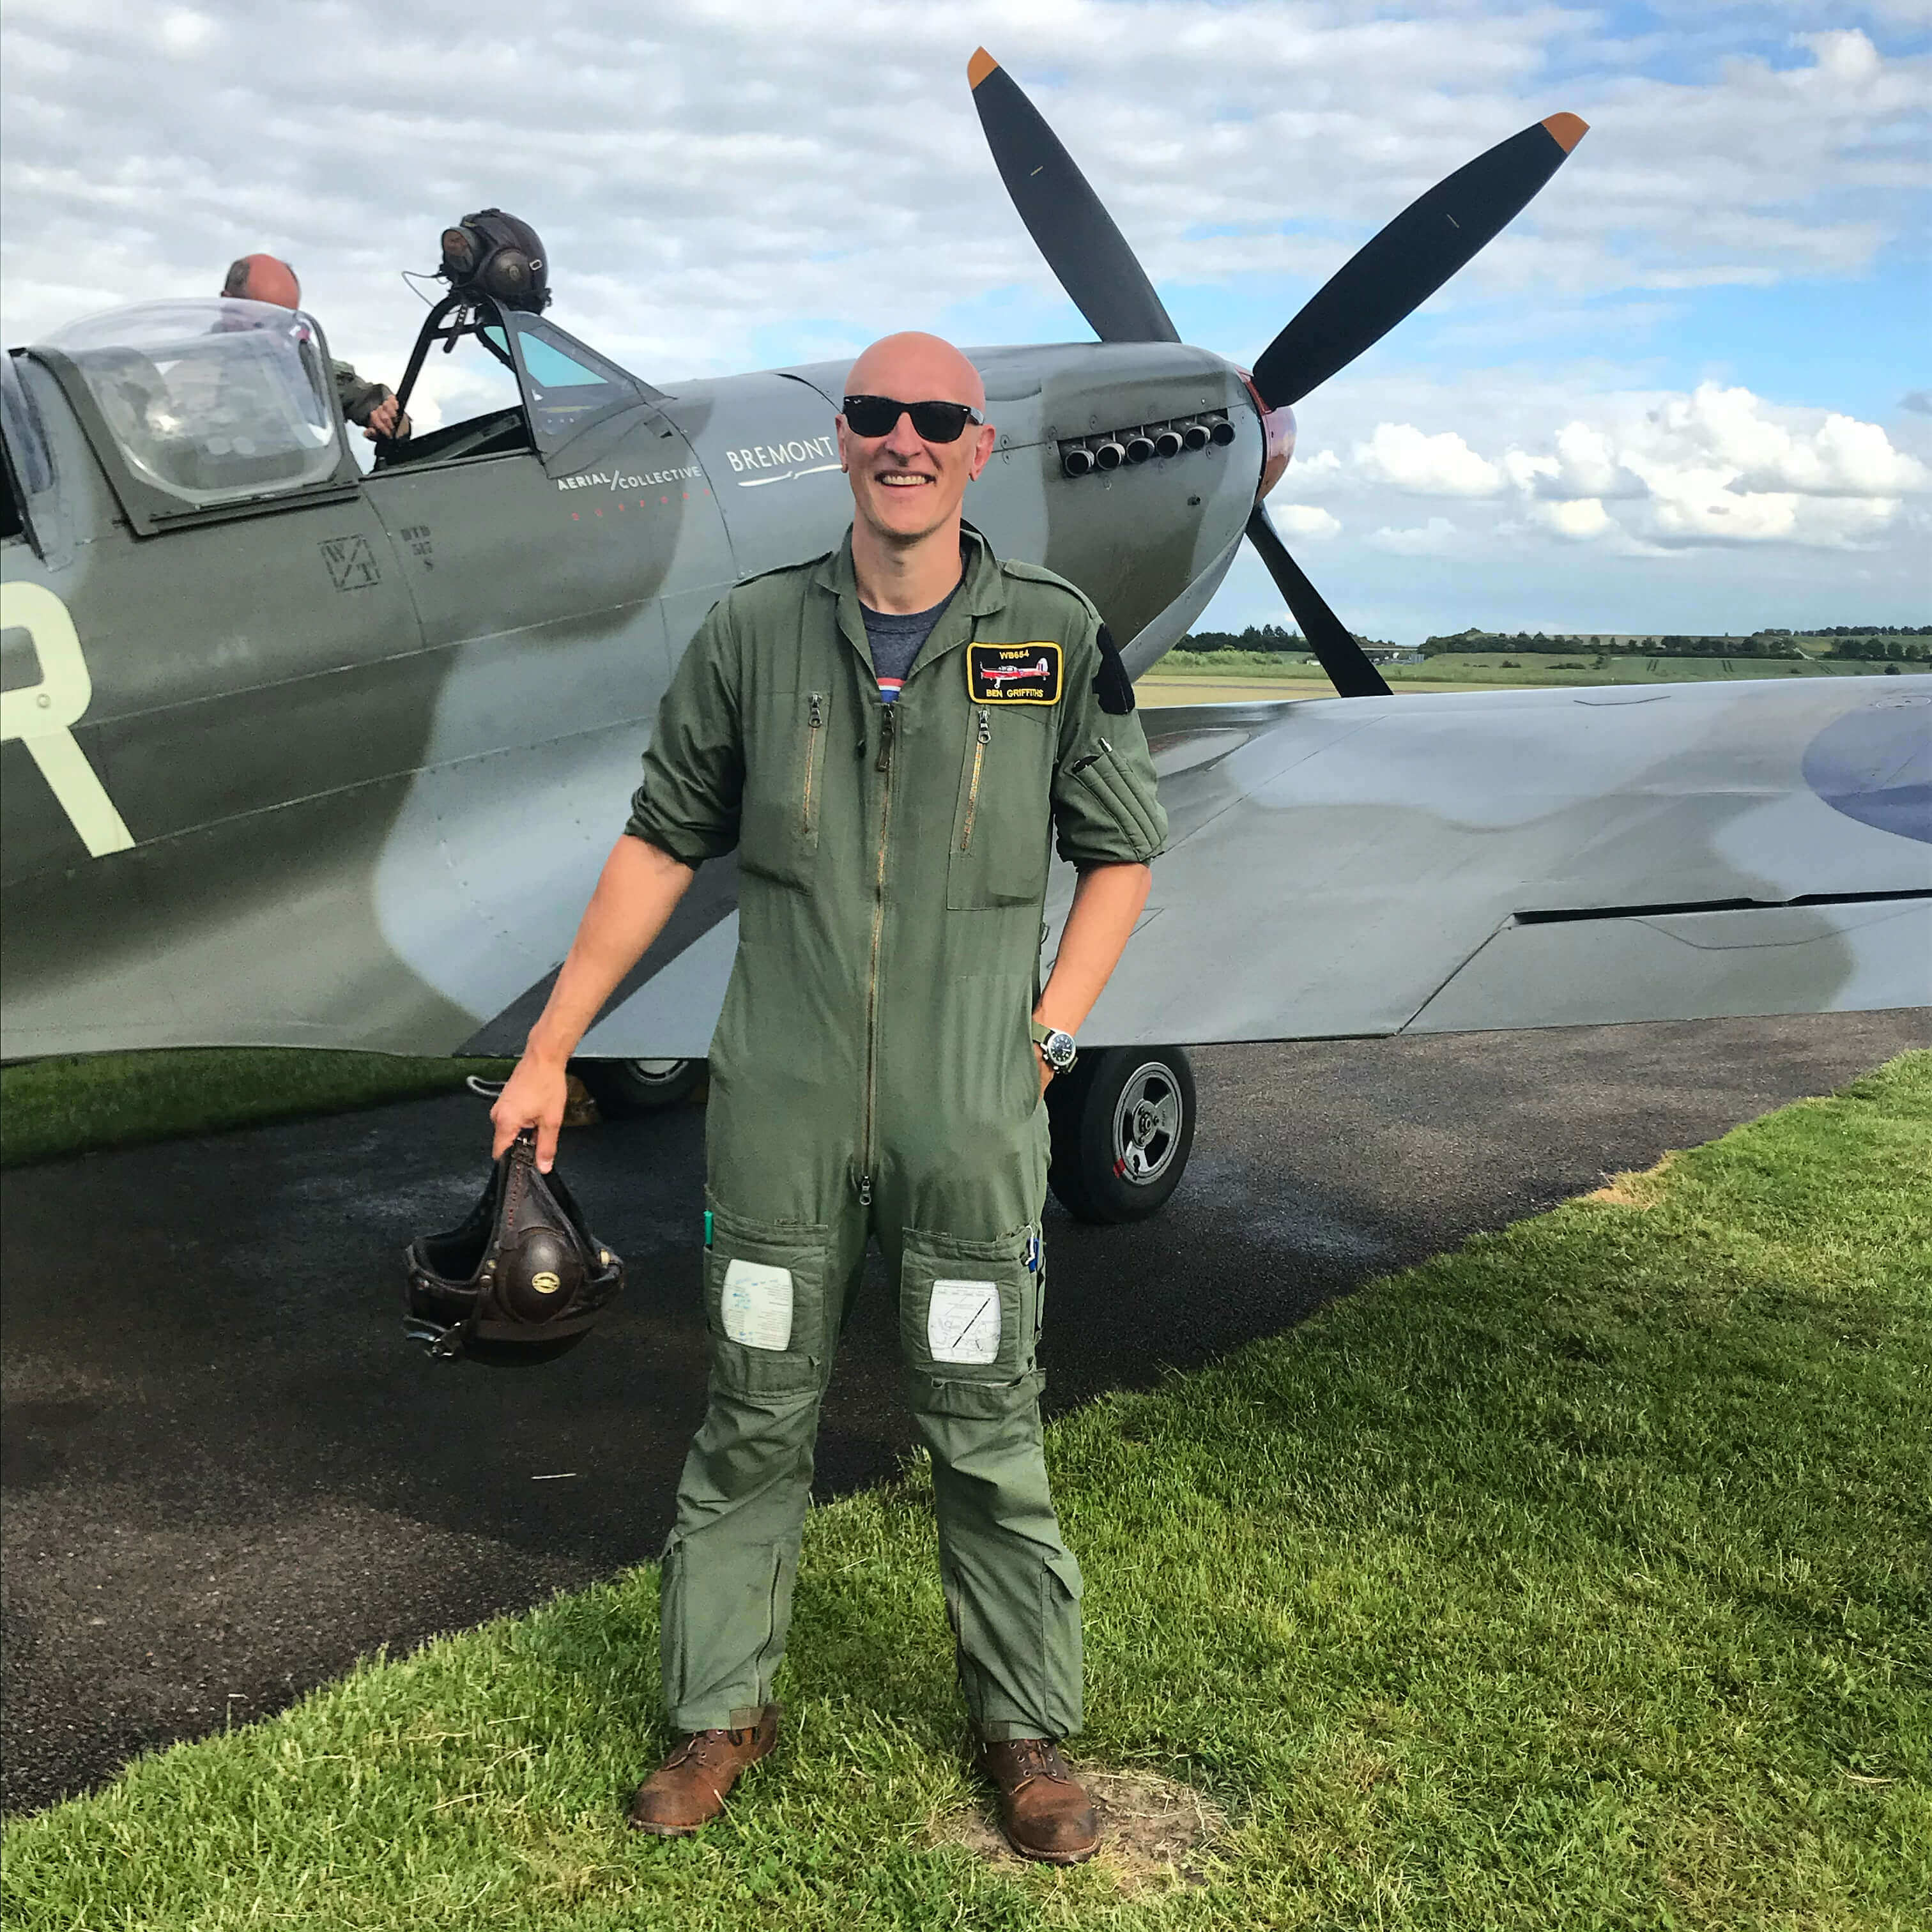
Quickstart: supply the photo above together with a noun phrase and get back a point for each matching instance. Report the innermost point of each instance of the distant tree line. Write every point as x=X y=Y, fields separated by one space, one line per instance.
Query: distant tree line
x=1895 y=643
x=1761 y=644
x=1255 y=637
x=1259 y=637
x=1865 y=630
x=1908 y=648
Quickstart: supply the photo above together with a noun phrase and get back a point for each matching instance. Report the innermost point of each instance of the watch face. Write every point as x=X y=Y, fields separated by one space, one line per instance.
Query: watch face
x=1058 y=1048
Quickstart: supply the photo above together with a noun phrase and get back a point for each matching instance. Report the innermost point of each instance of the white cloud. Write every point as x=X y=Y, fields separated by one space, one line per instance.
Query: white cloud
x=1581 y=518
x=185 y=33
x=1438 y=537
x=1715 y=465
x=706 y=176
x=1306 y=520
x=1721 y=466
x=1442 y=465
x=731 y=186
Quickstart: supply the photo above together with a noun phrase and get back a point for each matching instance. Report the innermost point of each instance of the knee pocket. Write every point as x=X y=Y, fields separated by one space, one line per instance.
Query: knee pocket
x=969 y=1310
x=764 y=1303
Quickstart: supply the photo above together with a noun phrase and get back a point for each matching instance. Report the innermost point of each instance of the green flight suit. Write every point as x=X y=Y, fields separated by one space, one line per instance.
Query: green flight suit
x=360 y=401
x=872 y=1074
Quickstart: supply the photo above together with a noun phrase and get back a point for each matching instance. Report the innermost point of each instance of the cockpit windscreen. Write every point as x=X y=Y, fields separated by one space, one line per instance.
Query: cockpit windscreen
x=214 y=401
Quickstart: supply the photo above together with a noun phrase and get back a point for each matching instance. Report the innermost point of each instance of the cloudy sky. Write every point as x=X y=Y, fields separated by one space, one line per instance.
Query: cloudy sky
x=1689 y=389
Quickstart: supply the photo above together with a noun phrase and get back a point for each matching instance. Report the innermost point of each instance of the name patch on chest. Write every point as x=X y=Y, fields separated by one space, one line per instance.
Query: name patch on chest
x=1013 y=673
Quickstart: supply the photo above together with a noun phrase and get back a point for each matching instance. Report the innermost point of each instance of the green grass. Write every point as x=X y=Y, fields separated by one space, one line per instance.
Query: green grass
x=1575 y=1580
x=73 y=1102
x=1520 y=669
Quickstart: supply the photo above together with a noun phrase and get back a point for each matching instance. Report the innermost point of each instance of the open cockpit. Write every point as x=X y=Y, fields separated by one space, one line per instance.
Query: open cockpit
x=205 y=409
x=561 y=387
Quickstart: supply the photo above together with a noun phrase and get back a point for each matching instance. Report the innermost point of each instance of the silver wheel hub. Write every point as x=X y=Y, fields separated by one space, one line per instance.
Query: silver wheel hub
x=656 y=1072
x=1147 y=1124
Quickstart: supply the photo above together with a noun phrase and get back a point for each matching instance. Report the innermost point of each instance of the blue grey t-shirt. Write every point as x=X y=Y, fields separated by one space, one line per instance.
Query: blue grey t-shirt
x=897 y=640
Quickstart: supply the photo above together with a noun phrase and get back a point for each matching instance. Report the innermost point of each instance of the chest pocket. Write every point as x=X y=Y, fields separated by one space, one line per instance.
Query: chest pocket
x=1002 y=825
x=785 y=787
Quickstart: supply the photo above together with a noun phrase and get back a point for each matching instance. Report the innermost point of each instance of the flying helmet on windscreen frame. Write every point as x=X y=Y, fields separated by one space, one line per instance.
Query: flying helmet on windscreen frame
x=493 y=253
x=520 y=1281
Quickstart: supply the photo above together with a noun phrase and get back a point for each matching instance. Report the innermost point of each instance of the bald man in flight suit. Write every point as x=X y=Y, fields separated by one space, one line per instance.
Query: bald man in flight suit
x=370 y=406
x=890 y=735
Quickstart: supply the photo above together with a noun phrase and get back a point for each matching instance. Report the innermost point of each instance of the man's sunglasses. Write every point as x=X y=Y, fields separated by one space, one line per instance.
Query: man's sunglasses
x=931 y=422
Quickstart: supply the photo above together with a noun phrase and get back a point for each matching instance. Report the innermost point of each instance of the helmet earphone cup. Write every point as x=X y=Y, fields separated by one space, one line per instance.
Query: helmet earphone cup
x=498 y=256
x=538 y=1275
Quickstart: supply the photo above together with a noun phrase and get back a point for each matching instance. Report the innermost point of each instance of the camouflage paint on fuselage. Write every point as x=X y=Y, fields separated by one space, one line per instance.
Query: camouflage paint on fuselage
x=371 y=751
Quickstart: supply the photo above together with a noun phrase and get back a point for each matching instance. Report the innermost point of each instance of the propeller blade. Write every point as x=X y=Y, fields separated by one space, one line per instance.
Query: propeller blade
x=1412 y=258
x=1064 y=215
x=1345 y=661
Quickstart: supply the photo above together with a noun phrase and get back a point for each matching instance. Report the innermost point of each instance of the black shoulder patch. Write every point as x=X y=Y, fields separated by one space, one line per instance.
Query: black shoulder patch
x=1111 y=684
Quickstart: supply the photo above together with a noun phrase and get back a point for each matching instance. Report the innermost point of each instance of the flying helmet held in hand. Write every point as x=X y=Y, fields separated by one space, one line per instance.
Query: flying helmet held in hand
x=520 y=1281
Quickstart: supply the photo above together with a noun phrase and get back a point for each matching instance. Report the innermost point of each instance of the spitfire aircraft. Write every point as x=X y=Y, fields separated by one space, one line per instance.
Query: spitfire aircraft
x=298 y=755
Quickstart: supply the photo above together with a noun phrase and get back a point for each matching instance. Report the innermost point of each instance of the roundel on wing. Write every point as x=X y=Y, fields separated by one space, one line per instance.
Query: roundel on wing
x=1875 y=765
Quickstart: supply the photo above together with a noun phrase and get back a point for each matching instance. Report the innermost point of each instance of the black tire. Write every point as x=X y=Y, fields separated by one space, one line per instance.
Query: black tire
x=1122 y=1129
x=622 y=1088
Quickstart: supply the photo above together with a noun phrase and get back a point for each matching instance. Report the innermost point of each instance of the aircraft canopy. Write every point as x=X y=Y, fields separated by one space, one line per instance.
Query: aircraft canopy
x=211 y=400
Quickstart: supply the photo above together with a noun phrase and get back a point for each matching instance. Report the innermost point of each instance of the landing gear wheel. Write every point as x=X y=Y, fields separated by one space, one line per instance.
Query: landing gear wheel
x=624 y=1088
x=1123 y=1126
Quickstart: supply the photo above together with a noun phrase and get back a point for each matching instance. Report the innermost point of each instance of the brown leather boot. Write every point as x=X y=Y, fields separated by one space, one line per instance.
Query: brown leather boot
x=688 y=1789
x=1043 y=1810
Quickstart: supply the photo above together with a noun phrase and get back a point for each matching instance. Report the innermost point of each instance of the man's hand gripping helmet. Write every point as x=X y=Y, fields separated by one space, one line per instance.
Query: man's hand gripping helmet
x=493 y=253
x=520 y=1281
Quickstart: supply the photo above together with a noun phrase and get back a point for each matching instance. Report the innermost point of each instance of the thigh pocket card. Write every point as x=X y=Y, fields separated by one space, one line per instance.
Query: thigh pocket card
x=966 y=1307
x=764 y=1303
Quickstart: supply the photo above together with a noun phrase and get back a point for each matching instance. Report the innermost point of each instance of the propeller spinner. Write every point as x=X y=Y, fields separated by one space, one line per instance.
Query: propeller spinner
x=1394 y=273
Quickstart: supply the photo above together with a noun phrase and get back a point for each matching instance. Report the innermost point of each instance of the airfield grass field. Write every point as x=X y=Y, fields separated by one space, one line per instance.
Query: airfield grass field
x=1229 y=676
x=1577 y=1578
x=71 y=1102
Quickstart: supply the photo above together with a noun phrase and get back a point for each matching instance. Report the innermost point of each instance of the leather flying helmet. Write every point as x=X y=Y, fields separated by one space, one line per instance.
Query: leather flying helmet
x=520 y=1281
x=493 y=253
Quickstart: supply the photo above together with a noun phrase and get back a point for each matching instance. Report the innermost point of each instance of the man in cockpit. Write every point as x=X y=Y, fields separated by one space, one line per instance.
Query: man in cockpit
x=371 y=406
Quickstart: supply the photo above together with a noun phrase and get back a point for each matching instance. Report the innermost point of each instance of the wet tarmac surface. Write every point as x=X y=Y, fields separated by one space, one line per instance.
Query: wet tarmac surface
x=227 y=1476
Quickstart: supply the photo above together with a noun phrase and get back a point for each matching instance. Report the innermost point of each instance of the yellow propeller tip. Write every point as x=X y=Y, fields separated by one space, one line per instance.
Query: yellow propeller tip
x=1566 y=130
x=979 y=66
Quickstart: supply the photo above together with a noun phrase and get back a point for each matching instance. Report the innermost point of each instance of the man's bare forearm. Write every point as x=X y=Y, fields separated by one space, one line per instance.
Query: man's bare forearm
x=1106 y=902
x=637 y=892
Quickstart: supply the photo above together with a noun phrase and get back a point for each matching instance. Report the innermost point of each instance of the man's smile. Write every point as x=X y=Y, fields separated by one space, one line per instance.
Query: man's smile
x=903 y=479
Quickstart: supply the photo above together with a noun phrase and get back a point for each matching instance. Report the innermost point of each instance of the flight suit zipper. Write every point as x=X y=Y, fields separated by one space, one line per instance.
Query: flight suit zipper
x=985 y=737
x=884 y=764
x=815 y=726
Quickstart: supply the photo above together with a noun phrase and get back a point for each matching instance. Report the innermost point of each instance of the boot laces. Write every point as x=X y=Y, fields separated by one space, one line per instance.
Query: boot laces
x=1038 y=1757
x=704 y=1747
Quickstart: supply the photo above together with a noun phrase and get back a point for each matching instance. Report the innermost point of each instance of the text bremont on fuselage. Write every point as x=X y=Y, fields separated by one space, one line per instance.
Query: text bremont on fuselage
x=794 y=457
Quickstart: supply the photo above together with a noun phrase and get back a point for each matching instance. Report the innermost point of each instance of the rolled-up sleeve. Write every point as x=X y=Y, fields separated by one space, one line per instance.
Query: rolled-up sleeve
x=1106 y=804
x=694 y=782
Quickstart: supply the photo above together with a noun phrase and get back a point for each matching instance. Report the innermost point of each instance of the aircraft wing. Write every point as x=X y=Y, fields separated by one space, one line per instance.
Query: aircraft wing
x=1534 y=858
x=1500 y=859
x=1335 y=866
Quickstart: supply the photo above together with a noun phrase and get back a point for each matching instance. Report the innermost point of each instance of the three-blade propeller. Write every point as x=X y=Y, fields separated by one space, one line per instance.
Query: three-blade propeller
x=1390 y=275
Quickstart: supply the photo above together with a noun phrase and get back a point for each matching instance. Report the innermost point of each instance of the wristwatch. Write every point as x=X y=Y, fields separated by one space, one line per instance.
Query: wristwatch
x=1056 y=1048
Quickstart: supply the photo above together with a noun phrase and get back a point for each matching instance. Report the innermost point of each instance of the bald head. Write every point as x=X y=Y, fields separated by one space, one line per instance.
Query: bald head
x=906 y=491
x=262 y=278
x=916 y=368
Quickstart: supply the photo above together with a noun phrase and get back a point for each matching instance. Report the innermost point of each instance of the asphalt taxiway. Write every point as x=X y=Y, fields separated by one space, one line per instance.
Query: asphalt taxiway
x=226 y=1475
